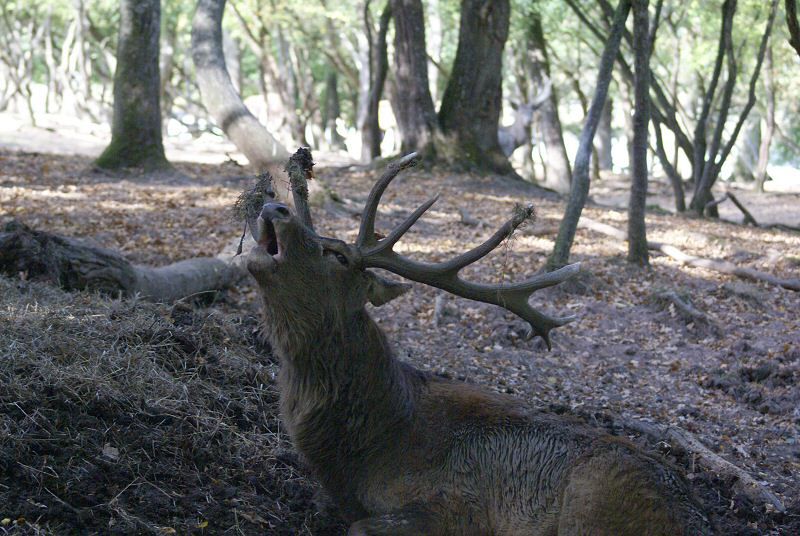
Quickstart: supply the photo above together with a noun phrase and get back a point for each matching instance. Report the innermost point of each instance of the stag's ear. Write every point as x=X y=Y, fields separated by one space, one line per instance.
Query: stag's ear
x=380 y=290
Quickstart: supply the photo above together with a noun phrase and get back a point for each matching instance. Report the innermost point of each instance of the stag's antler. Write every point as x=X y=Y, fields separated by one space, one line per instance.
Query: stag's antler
x=378 y=253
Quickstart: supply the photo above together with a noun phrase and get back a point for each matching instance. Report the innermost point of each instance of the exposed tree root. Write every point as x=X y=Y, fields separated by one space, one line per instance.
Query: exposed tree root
x=679 y=439
x=699 y=262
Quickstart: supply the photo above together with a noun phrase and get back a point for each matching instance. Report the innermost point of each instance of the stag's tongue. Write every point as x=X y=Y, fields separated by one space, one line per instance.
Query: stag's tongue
x=266 y=236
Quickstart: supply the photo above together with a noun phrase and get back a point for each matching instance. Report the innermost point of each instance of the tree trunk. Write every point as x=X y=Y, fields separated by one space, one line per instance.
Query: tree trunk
x=136 y=126
x=559 y=174
x=472 y=101
x=793 y=24
x=717 y=151
x=769 y=123
x=332 y=111
x=73 y=265
x=580 y=178
x=603 y=144
x=637 y=236
x=416 y=116
x=378 y=67
x=219 y=96
x=232 y=55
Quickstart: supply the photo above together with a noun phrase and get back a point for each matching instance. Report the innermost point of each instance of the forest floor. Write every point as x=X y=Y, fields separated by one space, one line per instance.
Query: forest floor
x=121 y=416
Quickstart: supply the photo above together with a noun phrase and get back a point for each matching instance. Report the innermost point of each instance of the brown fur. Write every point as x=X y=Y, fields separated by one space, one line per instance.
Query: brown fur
x=405 y=453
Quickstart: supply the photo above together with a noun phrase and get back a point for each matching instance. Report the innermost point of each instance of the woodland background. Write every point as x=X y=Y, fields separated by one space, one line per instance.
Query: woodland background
x=660 y=148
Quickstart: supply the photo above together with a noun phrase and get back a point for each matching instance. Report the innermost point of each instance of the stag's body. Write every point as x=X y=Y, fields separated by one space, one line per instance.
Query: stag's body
x=406 y=453
x=415 y=454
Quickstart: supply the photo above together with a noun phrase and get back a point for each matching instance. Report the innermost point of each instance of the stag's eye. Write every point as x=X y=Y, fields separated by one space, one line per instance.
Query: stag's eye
x=339 y=257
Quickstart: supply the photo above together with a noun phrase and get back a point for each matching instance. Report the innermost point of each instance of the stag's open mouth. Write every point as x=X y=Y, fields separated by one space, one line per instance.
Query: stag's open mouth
x=267 y=236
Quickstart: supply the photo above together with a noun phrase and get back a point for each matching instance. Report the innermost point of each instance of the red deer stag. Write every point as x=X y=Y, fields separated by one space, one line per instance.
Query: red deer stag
x=406 y=453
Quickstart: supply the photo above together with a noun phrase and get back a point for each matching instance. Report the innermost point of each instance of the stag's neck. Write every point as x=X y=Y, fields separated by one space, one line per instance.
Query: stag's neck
x=343 y=392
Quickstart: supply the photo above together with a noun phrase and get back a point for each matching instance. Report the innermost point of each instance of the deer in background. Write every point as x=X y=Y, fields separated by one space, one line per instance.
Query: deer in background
x=403 y=452
x=519 y=132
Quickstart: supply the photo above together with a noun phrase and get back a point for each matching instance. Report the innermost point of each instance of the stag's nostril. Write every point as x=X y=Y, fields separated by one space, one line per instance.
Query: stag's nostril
x=283 y=210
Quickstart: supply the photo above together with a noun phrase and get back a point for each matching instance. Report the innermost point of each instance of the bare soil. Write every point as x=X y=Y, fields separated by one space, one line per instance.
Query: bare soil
x=120 y=416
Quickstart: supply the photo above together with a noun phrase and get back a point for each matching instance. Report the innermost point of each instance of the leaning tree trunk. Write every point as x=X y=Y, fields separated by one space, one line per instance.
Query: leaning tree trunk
x=416 y=116
x=769 y=123
x=73 y=265
x=332 y=111
x=220 y=97
x=136 y=126
x=378 y=67
x=605 y=161
x=580 y=178
x=559 y=174
x=472 y=101
x=637 y=236
x=793 y=24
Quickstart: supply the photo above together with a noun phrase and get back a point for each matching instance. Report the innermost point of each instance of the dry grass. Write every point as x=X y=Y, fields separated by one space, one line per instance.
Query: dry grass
x=127 y=417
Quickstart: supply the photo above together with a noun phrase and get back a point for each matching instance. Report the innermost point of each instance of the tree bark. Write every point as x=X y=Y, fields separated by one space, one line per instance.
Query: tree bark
x=219 y=96
x=332 y=111
x=580 y=179
x=378 y=67
x=559 y=174
x=769 y=122
x=470 y=111
x=73 y=265
x=637 y=235
x=717 y=152
x=416 y=116
x=793 y=24
x=604 y=133
x=136 y=126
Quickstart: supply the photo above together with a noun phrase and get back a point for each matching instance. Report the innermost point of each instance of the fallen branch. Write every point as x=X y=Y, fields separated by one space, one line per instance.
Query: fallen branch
x=691 y=260
x=680 y=439
x=73 y=265
x=687 y=309
x=748 y=218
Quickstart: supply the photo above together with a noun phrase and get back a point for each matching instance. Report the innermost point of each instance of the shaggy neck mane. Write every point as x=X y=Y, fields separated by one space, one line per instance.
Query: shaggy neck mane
x=342 y=391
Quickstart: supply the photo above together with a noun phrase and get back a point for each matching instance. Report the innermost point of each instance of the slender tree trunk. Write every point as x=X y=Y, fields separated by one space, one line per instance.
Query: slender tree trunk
x=676 y=181
x=717 y=151
x=332 y=111
x=416 y=116
x=603 y=144
x=378 y=67
x=769 y=123
x=472 y=101
x=559 y=174
x=793 y=24
x=580 y=177
x=434 y=46
x=219 y=96
x=637 y=235
x=136 y=127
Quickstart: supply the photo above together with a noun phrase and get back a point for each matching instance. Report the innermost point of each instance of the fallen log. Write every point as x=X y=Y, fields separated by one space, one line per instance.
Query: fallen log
x=75 y=265
x=716 y=265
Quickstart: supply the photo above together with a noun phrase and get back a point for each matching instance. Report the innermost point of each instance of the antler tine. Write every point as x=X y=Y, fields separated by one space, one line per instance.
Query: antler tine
x=398 y=232
x=479 y=252
x=444 y=275
x=366 y=233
